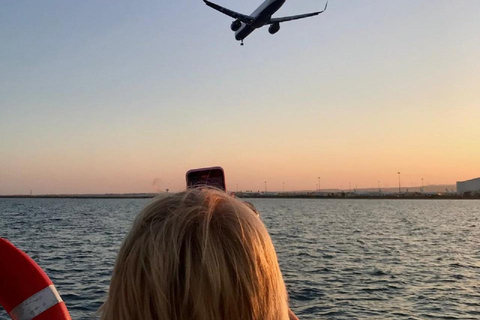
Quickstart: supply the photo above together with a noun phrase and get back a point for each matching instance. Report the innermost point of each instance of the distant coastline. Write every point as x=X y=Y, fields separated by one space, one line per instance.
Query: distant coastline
x=263 y=195
x=402 y=196
x=86 y=196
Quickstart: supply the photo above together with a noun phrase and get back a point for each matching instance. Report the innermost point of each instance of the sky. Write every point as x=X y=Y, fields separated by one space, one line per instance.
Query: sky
x=123 y=97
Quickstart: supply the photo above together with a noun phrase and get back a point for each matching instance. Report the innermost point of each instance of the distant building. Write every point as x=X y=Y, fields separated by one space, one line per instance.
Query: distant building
x=472 y=186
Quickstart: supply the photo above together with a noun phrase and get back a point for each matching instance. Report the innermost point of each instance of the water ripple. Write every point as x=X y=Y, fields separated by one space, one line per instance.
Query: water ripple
x=341 y=259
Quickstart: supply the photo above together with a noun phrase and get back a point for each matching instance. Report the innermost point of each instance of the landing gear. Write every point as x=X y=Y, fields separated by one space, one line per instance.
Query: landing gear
x=241 y=43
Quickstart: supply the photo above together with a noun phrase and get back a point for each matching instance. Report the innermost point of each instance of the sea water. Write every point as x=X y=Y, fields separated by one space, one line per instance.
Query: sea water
x=341 y=259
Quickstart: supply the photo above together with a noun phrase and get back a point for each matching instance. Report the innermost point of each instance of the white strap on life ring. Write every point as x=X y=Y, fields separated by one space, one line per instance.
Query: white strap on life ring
x=36 y=304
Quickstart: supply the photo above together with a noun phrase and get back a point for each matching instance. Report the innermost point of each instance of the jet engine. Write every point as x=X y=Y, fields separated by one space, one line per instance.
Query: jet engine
x=236 y=25
x=274 y=28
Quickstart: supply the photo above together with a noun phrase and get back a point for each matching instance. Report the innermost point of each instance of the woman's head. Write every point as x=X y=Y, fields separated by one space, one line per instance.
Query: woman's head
x=199 y=254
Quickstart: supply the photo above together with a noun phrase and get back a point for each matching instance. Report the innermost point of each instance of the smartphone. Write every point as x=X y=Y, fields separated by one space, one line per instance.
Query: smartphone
x=206 y=177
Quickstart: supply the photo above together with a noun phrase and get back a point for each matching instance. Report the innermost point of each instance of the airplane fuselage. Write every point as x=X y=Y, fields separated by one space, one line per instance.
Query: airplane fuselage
x=262 y=15
x=243 y=24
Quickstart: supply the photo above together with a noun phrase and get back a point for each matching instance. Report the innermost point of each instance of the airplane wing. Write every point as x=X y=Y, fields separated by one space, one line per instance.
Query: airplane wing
x=300 y=16
x=242 y=17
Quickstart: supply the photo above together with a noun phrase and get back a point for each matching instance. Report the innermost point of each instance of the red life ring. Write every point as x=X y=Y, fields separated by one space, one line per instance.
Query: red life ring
x=26 y=292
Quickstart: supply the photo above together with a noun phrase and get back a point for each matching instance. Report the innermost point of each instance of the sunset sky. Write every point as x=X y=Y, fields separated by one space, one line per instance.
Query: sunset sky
x=122 y=96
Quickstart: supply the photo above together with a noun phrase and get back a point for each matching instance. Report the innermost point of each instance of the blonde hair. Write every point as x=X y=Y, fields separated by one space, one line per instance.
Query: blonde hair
x=197 y=255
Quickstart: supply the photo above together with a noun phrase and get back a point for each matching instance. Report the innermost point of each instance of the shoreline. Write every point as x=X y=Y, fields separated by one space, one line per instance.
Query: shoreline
x=341 y=196
x=81 y=196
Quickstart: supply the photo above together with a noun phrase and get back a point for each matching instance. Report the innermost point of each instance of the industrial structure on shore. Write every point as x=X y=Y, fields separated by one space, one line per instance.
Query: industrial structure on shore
x=468 y=187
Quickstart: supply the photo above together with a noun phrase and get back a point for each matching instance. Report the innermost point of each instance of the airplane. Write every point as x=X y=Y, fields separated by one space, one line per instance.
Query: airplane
x=244 y=25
